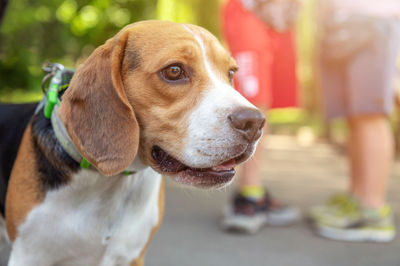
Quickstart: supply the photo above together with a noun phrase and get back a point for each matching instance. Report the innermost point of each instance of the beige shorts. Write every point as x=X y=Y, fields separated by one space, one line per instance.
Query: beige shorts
x=365 y=84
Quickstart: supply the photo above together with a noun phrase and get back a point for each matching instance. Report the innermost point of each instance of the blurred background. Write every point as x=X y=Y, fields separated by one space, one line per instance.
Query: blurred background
x=304 y=163
x=33 y=32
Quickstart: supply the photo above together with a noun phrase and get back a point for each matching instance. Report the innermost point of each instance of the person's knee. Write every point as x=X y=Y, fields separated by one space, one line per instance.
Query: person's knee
x=366 y=118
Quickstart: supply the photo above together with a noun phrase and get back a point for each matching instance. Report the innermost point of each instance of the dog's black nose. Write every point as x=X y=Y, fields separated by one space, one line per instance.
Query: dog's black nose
x=248 y=121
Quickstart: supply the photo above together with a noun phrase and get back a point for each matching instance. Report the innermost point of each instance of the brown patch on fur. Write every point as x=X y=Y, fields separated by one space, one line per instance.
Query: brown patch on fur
x=24 y=191
x=96 y=112
x=140 y=260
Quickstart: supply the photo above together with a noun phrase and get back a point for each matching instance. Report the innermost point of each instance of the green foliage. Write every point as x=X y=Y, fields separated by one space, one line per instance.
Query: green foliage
x=66 y=31
x=60 y=31
x=204 y=13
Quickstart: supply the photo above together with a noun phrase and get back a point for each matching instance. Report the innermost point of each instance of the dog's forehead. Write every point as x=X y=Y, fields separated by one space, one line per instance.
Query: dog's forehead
x=155 y=37
x=208 y=42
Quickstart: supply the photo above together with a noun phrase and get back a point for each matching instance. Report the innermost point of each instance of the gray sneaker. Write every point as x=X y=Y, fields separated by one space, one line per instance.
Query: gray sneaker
x=249 y=216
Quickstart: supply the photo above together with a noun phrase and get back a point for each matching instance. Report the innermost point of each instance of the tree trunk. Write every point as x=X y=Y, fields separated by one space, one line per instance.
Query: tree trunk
x=3 y=6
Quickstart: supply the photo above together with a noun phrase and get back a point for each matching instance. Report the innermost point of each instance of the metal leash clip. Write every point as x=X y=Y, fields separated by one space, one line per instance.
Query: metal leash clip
x=50 y=69
x=55 y=72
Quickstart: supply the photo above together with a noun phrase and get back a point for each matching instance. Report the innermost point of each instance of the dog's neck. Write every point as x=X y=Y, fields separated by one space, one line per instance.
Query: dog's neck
x=137 y=165
x=56 y=165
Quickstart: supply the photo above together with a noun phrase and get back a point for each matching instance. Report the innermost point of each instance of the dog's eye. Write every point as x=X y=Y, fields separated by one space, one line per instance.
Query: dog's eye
x=230 y=75
x=173 y=73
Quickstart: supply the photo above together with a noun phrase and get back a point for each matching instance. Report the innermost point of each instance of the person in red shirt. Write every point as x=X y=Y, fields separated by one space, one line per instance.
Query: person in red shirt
x=260 y=36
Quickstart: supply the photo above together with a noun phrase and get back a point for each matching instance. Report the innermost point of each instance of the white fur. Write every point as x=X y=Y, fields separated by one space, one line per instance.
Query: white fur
x=137 y=165
x=96 y=220
x=4 y=241
x=210 y=136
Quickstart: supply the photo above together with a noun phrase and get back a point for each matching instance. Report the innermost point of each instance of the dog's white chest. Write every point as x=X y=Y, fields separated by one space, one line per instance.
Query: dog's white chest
x=96 y=220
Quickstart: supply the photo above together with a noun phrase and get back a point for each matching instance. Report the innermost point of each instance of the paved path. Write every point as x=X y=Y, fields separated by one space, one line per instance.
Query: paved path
x=304 y=176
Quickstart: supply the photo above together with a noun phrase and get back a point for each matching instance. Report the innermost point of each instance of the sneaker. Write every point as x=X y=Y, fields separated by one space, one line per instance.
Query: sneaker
x=334 y=202
x=249 y=215
x=352 y=222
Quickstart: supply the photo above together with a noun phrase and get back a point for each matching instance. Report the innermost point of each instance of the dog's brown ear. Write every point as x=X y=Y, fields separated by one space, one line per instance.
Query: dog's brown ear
x=96 y=112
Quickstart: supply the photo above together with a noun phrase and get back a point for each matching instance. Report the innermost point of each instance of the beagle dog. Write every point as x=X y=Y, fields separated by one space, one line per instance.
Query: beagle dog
x=157 y=100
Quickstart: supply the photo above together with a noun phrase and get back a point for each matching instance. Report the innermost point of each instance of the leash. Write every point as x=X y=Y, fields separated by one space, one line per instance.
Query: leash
x=59 y=83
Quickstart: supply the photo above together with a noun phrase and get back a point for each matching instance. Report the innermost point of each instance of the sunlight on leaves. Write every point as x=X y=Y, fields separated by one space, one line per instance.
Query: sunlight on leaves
x=43 y=14
x=176 y=10
x=89 y=15
x=88 y=18
x=118 y=16
x=66 y=11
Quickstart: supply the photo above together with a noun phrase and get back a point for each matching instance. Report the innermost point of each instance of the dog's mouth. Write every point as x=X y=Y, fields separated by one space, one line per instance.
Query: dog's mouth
x=200 y=177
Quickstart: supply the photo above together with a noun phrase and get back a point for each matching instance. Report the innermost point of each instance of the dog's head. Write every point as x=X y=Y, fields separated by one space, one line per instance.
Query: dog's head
x=162 y=91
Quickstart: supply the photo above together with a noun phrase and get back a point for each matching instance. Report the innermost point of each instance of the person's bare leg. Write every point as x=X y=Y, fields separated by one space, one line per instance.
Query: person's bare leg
x=371 y=155
x=253 y=207
x=250 y=171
